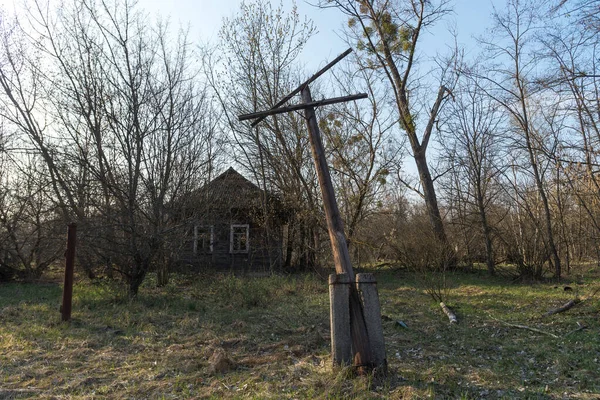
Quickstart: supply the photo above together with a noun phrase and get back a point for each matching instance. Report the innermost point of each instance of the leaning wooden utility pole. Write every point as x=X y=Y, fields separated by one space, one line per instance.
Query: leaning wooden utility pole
x=361 y=344
x=339 y=246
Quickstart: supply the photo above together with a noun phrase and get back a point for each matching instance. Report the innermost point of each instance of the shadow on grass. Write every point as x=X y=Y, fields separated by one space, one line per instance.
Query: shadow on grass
x=31 y=293
x=479 y=276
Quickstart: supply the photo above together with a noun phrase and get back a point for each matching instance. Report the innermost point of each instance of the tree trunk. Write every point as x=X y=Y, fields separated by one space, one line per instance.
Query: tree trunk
x=489 y=251
x=526 y=126
x=399 y=83
x=550 y=234
x=433 y=210
x=289 y=247
x=138 y=274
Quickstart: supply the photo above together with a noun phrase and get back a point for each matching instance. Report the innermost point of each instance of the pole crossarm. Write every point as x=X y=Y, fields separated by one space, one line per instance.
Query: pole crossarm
x=262 y=114
x=299 y=88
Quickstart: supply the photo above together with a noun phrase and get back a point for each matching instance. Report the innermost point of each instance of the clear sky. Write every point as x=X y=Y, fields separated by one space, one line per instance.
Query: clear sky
x=205 y=17
x=470 y=17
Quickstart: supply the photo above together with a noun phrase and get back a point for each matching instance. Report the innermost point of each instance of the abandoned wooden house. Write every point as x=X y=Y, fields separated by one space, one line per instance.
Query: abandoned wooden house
x=233 y=225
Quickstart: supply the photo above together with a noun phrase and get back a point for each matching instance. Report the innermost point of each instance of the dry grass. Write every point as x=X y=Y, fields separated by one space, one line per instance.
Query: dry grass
x=275 y=333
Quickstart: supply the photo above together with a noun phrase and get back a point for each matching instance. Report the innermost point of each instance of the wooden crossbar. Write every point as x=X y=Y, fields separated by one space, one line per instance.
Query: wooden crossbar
x=303 y=85
x=281 y=110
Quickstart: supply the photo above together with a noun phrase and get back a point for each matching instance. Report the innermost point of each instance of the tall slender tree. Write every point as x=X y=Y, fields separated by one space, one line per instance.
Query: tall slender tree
x=388 y=34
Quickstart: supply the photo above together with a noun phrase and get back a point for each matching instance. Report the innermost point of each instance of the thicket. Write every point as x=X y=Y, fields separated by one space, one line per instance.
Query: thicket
x=109 y=119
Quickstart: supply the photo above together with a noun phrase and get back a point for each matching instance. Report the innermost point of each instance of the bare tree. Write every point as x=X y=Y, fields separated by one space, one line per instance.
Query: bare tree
x=511 y=74
x=30 y=228
x=362 y=149
x=22 y=105
x=130 y=125
x=573 y=78
x=473 y=142
x=258 y=65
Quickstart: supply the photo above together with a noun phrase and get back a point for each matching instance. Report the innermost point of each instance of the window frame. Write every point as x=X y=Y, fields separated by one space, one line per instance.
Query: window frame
x=211 y=229
x=231 y=241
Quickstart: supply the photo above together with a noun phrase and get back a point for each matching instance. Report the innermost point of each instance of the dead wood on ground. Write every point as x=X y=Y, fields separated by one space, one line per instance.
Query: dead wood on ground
x=449 y=313
x=567 y=306
x=570 y=304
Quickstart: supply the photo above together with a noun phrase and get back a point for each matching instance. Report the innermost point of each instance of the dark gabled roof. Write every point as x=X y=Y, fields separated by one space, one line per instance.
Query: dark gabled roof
x=228 y=181
x=230 y=192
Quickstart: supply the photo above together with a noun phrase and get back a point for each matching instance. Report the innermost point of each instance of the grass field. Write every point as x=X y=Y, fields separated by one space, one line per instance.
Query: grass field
x=275 y=333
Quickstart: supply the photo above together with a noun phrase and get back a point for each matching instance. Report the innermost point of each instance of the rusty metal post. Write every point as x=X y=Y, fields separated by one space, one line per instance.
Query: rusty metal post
x=69 y=266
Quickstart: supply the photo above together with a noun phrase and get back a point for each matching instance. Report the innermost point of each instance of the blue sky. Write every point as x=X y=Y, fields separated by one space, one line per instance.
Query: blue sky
x=471 y=17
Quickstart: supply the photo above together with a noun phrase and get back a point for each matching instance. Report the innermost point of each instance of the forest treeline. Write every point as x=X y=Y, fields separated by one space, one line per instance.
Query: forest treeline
x=109 y=118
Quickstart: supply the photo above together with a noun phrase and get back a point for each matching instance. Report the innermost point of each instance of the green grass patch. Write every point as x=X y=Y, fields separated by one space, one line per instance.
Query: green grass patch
x=275 y=333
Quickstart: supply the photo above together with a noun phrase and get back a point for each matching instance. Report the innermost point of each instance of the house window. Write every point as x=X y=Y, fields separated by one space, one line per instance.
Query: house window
x=203 y=239
x=239 y=239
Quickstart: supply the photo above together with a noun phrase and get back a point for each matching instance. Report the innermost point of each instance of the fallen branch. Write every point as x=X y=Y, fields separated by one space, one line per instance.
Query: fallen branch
x=580 y=328
x=570 y=304
x=526 y=327
x=449 y=313
x=567 y=306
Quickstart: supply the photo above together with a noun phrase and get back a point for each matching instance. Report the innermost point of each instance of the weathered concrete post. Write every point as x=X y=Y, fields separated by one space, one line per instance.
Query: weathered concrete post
x=367 y=287
x=339 y=316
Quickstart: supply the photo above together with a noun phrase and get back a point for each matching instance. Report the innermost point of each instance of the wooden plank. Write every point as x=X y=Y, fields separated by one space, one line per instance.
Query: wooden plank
x=339 y=317
x=367 y=287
